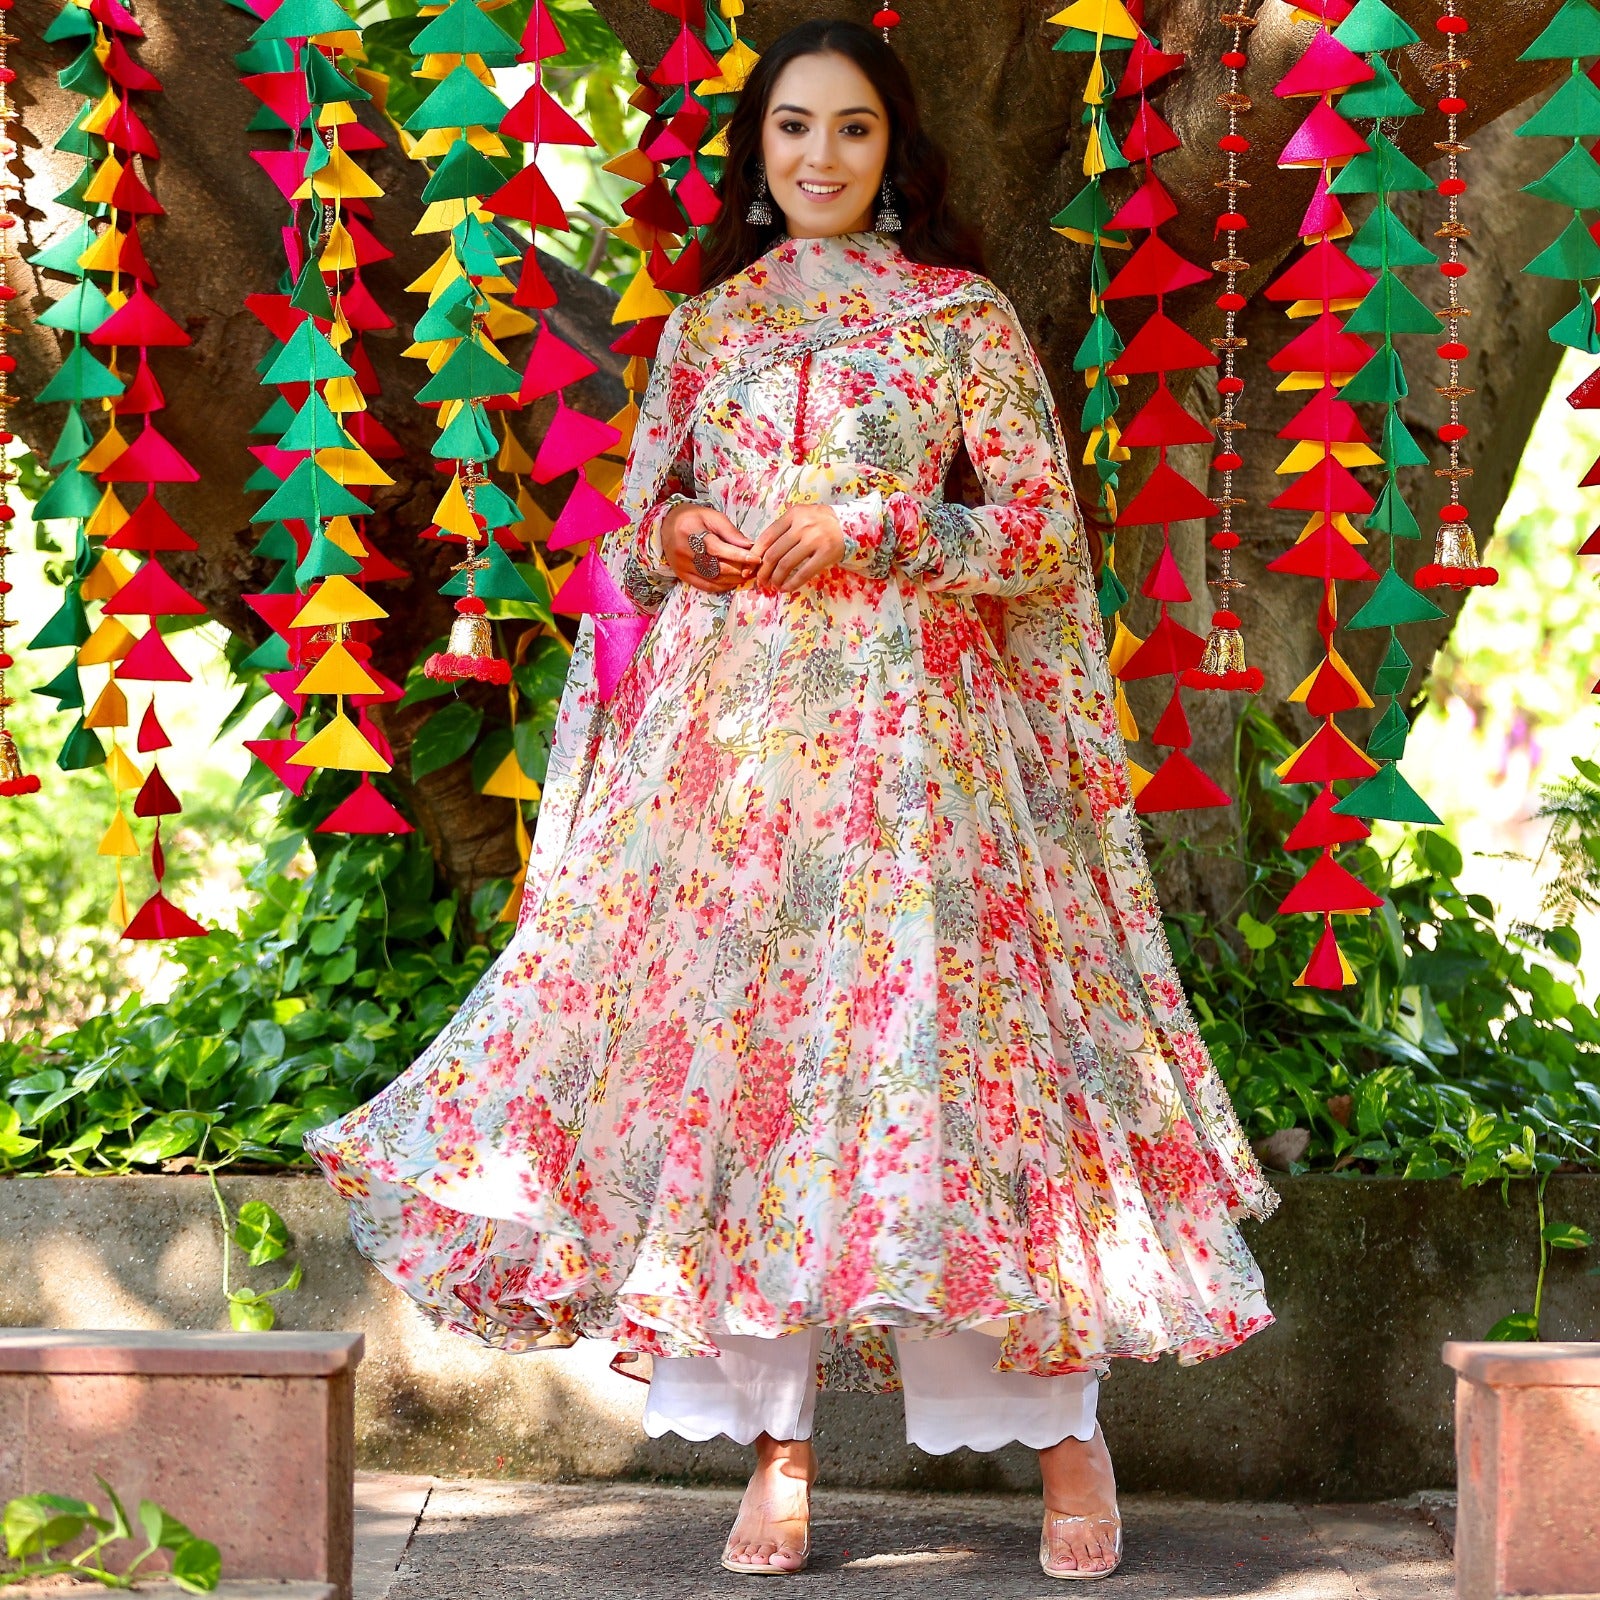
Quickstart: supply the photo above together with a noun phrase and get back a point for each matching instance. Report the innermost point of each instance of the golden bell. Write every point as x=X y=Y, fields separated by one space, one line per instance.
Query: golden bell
x=471 y=636
x=10 y=761
x=1455 y=548
x=1224 y=652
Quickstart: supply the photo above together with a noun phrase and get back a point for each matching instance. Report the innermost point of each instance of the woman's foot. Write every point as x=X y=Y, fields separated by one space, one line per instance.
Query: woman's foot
x=773 y=1530
x=1082 y=1534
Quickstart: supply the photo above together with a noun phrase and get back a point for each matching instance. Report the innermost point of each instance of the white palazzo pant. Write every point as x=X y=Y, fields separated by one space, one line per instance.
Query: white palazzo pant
x=952 y=1395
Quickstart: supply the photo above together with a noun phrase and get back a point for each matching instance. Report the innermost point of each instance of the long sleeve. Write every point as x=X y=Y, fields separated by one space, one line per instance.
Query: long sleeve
x=1029 y=534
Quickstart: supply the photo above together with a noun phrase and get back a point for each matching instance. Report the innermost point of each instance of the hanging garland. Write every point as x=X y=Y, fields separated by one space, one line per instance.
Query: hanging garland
x=113 y=139
x=1159 y=348
x=1094 y=27
x=538 y=120
x=13 y=779
x=1328 y=439
x=1223 y=665
x=1573 y=183
x=81 y=379
x=1384 y=248
x=1455 y=563
x=324 y=444
x=456 y=131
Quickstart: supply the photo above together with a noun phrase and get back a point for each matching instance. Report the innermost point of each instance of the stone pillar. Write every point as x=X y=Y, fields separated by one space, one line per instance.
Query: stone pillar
x=248 y=1438
x=1528 y=1470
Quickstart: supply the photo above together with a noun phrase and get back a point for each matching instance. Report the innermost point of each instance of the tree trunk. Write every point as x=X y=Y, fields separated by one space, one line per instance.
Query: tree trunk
x=1006 y=107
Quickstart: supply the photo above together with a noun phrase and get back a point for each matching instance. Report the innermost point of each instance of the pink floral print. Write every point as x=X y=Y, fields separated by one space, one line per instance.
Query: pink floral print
x=839 y=994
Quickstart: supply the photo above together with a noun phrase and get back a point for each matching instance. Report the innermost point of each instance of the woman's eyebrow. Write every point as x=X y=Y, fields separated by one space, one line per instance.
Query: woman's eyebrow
x=849 y=111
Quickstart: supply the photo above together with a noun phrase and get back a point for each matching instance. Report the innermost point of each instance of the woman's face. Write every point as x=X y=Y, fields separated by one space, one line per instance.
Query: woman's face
x=825 y=142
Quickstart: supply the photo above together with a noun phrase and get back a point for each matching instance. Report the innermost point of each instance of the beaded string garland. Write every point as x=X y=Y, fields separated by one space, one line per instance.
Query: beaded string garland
x=1328 y=438
x=14 y=780
x=111 y=306
x=324 y=446
x=1159 y=348
x=1389 y=311
x=1455 y=563
x=1223 y=664
x=1573 y=183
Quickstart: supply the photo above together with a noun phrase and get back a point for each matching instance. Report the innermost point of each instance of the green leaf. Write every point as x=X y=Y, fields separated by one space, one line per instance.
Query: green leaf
x=35 y=1523
x=161 y=1528
x=250 y=1312
x=1519 y=1326
x=445 y=737
x=12 y=1142
x=1566 y=1236
x=263 y=1043
x=166 y=1137
x=340 y=970
x=262 y=1232
x=1256 y=935
x=197 y=1566
x=197 y=1063
x=120 y=1527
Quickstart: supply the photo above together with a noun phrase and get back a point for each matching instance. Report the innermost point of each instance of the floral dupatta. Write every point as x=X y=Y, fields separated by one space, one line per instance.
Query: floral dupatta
x=809 y=294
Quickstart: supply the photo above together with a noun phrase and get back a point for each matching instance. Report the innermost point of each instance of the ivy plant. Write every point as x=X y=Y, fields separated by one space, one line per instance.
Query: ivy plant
x=332 y=984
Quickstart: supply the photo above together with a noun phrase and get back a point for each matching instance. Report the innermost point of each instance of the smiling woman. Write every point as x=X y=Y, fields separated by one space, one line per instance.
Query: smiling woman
x=824 y=161
x=838 y=1041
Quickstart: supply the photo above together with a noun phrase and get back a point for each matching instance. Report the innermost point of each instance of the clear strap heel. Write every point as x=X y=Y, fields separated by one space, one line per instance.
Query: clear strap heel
x=768 y=1567
x=1060 y=1519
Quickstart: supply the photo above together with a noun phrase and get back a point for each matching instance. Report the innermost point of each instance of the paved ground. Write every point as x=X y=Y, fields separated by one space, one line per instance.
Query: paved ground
x=418 y=1539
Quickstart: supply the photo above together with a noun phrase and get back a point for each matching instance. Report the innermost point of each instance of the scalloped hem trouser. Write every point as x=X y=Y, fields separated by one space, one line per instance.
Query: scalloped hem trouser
x=953 y=1397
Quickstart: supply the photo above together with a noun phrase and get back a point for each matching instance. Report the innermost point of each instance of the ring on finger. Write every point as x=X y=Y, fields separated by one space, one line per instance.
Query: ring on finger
x=706 y=564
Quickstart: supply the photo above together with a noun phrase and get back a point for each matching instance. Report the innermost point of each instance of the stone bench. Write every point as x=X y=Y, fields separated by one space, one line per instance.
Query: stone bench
x=248 y=1438
x=1528 y=1469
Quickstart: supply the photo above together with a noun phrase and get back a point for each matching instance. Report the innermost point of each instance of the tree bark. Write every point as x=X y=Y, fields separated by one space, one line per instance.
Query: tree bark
x=1007 y=108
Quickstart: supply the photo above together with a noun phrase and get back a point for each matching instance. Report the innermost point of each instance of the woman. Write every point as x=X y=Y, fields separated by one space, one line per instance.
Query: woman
x=838 y=1040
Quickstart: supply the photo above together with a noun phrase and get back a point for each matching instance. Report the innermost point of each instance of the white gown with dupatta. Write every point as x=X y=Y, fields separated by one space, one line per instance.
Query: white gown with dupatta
x=839 y=994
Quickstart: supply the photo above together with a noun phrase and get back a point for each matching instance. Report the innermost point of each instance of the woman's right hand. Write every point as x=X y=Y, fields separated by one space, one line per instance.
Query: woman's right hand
x=733 y=551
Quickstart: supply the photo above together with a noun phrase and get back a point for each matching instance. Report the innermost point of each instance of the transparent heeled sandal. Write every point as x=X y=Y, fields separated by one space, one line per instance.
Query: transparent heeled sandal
x=771 y=1567
x=1060 y=1519
x=768 y=1567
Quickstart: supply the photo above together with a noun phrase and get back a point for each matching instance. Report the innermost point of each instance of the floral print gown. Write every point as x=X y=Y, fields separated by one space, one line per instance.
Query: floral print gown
x=839 y=994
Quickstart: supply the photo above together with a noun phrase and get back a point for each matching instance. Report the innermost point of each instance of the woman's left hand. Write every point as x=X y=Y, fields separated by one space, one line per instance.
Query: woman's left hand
x=803 y=543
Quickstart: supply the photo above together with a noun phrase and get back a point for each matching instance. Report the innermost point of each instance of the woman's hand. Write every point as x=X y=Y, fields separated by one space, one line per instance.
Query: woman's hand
x=803 y=543
x=722 y=540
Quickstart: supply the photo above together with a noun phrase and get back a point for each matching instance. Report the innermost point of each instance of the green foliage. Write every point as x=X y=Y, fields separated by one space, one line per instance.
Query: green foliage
x=38 y=1527
x=1459 y=1050
x=1572 y=807
x=1524 y=1325
x=263 y=1235
x=331 y=986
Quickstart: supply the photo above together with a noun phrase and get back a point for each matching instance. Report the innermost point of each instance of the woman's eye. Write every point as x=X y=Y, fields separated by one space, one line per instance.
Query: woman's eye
x=854 y=127
x=791 y=126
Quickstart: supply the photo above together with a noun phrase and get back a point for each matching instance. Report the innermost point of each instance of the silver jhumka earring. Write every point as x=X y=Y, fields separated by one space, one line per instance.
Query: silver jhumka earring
x=758 y=211
x=887 y=219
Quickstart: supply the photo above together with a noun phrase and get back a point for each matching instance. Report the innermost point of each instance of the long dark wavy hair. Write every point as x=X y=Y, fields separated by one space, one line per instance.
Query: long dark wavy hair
x=917 y=167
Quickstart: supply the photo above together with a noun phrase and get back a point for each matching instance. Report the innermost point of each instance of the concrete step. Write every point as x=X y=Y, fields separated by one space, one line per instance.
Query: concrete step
x=488 y=1540
x=162 y=1589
